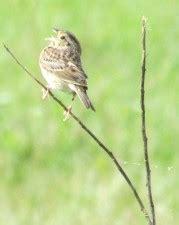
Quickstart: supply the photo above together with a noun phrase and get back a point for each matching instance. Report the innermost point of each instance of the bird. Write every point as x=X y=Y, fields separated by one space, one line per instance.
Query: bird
x=60 y=64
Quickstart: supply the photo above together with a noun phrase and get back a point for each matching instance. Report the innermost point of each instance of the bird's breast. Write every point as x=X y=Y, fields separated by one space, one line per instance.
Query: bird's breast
x=54 y=82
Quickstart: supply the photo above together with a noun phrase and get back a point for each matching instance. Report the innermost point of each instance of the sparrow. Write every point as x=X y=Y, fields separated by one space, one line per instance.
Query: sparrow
x=60 y=65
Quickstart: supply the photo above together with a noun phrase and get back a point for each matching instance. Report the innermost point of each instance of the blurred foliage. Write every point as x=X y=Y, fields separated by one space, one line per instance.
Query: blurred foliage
x=51 y=171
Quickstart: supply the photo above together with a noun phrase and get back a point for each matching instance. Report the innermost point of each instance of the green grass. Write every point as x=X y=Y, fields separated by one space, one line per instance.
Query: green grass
x=51 y=171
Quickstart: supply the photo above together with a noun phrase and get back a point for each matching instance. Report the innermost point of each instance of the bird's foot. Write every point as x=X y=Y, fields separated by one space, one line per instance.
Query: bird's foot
x=67 y=113
x=45 y=92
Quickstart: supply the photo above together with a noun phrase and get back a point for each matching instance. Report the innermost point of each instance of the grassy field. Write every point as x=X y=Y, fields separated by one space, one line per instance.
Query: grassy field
x=51 y=172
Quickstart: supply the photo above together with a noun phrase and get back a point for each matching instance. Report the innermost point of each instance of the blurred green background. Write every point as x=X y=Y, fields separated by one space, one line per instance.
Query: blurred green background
x=51 y=172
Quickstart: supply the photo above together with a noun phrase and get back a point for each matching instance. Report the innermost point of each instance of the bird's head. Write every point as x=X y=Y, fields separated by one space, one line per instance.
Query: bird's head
x=64 y=39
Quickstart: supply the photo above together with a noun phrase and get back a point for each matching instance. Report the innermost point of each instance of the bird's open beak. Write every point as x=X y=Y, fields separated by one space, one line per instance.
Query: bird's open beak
x=55 y=30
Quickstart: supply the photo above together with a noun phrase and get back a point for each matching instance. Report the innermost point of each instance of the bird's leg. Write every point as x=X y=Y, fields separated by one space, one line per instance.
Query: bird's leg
x=68 y=111
x=45 y=92
x=74 y=95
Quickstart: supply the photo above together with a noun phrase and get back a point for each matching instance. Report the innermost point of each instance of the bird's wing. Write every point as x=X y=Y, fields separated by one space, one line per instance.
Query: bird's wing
x=65 y=70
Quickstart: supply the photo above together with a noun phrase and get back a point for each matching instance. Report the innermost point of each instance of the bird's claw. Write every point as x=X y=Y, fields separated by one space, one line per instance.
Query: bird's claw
x=45 y=92
x=67 y=113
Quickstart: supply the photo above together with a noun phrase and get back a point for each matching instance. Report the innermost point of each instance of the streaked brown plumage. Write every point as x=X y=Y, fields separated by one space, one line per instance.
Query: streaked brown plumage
x=60 y=65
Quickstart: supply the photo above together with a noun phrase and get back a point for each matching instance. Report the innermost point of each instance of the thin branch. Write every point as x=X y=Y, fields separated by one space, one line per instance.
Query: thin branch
x=102 y=146
x=144 y=132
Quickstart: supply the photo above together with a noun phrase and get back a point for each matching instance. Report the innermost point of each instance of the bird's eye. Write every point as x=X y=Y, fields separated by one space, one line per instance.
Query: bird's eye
x=62 y=37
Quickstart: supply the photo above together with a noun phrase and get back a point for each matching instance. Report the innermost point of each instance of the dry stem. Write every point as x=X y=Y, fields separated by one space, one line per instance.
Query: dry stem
x=144 y=132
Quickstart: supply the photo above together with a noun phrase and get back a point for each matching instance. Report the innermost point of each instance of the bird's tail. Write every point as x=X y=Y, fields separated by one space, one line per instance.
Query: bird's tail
x=81 y=92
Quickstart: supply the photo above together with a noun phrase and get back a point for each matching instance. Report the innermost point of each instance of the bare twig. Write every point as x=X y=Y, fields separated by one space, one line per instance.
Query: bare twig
x=144 y=132
x=102 y=146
